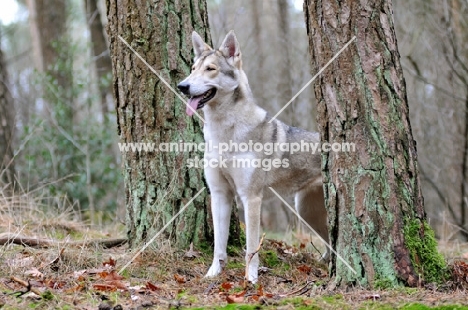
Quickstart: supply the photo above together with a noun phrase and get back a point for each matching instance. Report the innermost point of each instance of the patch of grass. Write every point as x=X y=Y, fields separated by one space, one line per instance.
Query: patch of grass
x=232 y=264
x=233 y=250
x=239 y=307
x=417 y=306
x=375 y=305
x=333 y=298
x=300 y=303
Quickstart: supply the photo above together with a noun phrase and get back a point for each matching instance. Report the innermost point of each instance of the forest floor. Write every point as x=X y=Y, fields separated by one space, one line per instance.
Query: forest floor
x=64 y=267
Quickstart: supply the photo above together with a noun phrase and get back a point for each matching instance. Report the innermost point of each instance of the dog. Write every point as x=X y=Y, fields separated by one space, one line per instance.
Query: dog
x=219 y=86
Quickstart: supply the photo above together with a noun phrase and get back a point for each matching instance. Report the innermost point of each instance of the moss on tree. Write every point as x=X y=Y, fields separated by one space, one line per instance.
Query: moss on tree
x=421 y=242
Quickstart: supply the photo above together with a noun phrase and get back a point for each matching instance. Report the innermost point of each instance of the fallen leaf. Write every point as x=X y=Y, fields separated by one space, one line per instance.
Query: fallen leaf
x=227 y=286
x=56 y=284
x=96 y=270
x=151 y=286
x=305 y=269
x=179 y=278
x=110 y=263
x=110 y=276
x=191 y=253
x=236 y=298
x=53 y=264
x=372 y=296
x=104 y=287
x=260 y=290
x=77 y=288
x=35 y=273
x=117 y=284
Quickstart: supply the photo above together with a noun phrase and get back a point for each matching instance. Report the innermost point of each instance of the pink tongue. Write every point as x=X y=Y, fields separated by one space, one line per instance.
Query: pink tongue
x=193 y=103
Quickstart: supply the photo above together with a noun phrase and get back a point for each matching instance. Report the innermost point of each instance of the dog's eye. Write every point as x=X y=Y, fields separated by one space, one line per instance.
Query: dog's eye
x=193 y=68
x=210 y=68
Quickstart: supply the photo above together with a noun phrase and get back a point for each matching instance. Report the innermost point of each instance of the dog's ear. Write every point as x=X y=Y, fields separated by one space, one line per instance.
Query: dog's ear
x=231 y=50
x=199 y=46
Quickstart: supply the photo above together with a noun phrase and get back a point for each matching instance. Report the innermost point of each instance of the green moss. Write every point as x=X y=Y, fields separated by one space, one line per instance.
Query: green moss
x=240 y=307
x=233 y=250
x=383 y=284
x=417 y=306
x=375 y=305
x=270 y=258
x=47 y=295
x=333 y=298
x=421 y=242
x=235 y=265
x=297 y=303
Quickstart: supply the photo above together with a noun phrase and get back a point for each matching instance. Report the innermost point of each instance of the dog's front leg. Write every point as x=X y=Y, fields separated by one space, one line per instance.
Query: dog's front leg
x=252 y=210
x=221 y=201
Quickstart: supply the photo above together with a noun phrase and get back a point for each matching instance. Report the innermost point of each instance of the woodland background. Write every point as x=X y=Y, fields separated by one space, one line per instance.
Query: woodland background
x=62 y=114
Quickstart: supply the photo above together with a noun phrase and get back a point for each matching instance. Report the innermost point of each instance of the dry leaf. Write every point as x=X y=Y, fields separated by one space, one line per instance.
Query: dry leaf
x=151 y=286
x=191 y=253
x=260 y=290
x=179 y=278
x=35 y=273
x=371 y=296
x=110 y=276
x=227 y=286
x=110 y=263
x=234 y=299
x=104 y=287
x=305 y=269
x=56 y=285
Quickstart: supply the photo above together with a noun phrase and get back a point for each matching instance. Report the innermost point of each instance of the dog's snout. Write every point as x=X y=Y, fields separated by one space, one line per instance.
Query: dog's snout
x=184 y=87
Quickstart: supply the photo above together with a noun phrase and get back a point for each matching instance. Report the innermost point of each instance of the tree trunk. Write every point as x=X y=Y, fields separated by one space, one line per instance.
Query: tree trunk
x=158 y=184
x=285 y=80
x=48 y=27
x=48 y=20
x=375 y=207
x=100 y=52
x=7 y=170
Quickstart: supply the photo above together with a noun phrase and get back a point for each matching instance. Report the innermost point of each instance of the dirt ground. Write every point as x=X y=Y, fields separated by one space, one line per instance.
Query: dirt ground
x=79 y=277
x=58 y=263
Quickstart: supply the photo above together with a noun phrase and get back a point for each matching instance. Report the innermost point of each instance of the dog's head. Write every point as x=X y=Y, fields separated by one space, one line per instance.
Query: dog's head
x=215 y=73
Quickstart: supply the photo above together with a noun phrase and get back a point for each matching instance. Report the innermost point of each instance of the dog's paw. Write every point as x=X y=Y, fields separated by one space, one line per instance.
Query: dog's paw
x=253 y=274
x=215 y=268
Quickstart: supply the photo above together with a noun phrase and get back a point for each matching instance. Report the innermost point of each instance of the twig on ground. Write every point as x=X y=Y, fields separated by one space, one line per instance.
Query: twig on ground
x=27 y=285
x=313 y=245
x=299 y=291
x=46 y=243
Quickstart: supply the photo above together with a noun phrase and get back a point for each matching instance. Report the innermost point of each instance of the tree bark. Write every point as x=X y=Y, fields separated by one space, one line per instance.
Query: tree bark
x=158 y=184
x=101 y=55
x=48 y=20
x=7 y=168
x=375 y=206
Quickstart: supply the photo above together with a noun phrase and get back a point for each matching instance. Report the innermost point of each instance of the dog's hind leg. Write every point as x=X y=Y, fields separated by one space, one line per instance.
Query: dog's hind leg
x=221 y=202
x=310 y=204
